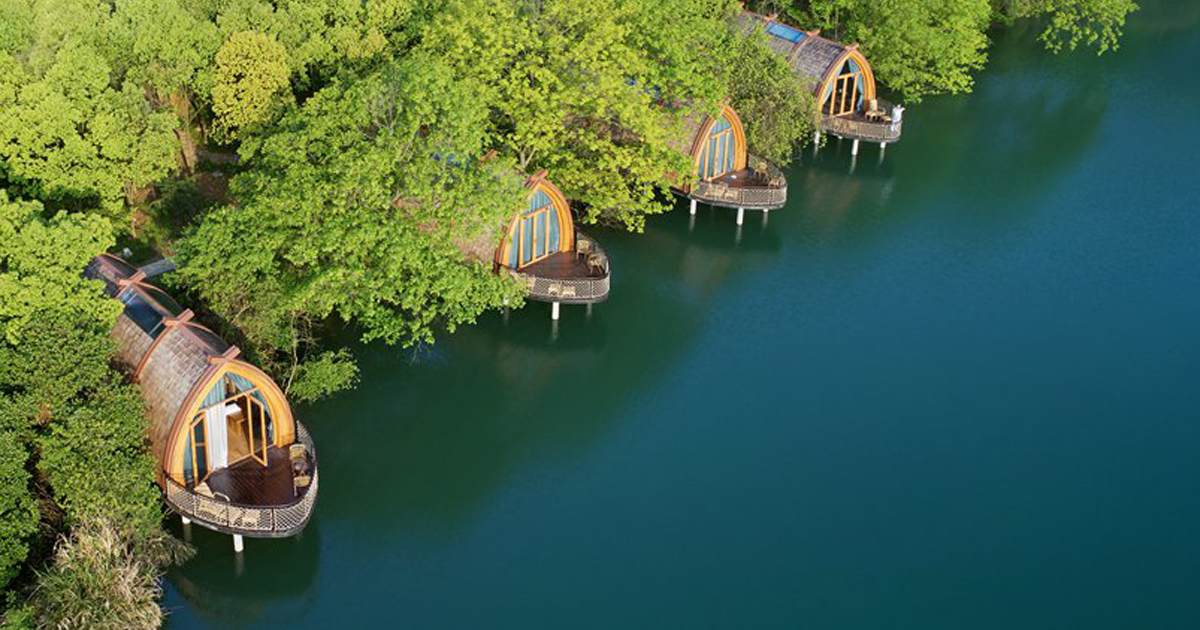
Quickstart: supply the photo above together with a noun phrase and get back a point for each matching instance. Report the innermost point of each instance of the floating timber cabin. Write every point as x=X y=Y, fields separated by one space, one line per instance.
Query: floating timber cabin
x=231 y=456
x=840 y=79
x=542 y=248
x=726 y=173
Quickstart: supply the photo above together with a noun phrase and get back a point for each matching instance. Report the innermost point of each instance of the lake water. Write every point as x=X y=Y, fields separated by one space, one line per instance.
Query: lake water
x=956 y=389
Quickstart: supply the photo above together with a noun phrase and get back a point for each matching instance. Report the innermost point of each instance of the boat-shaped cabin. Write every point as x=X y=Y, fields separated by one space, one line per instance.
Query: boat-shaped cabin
x=542 y=247
x=231 y=457
x=726 y=173
x=839 y=77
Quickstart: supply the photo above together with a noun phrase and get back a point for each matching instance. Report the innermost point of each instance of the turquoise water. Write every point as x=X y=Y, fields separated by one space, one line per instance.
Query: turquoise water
x=955 y=389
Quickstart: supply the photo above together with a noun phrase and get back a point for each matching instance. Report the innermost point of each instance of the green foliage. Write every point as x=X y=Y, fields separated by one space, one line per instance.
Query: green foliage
x=358 y=201
x=316 y=33
x=916 y=47
x=40 y=266
x=1071 y=23
x=65 y=417
x=327 y=373
x=68 y=127
x=776 y=109
x=252 y=74
x=18 y=511
x=586 y=90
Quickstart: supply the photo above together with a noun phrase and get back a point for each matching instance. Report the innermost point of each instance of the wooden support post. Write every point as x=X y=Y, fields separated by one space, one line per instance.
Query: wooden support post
x=765 y=213
x=816 y=139
x=882 y=150
x=237 y=543
x=554 y=311
x=741 y=216
x=186 y=520
x=854 y=148
x=692 y=211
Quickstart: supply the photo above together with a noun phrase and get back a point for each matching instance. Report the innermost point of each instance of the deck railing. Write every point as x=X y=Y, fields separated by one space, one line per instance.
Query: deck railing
x=275 y=521
x=575 y=290
x=857 y=127
x=770 y=194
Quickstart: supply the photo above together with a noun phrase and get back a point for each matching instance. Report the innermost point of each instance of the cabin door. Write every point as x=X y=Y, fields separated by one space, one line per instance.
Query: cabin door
x=719 y=152
x=199 y=451
x=844 y=99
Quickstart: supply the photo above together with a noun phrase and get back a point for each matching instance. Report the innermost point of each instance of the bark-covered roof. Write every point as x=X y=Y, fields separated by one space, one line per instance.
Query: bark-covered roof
x=176 y=363
x=810 y=55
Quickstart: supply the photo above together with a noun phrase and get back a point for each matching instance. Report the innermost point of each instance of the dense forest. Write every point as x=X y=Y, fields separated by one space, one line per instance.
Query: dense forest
x=318 y=162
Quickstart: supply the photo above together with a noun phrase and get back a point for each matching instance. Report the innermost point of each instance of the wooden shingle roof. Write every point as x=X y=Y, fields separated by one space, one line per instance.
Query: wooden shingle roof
x=169 y=370
x=810 y=56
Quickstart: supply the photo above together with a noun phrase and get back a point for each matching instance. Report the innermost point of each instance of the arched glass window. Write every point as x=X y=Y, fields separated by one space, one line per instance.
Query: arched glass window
x=537 y=233
x=233 y=424
x=717 y=157
x=846 y=92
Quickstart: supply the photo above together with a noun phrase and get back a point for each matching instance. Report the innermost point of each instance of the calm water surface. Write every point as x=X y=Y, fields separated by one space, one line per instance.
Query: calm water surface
x=958 y=389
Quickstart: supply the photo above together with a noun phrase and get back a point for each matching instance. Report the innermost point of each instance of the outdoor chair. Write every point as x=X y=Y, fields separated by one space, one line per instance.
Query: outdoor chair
x=595 y=264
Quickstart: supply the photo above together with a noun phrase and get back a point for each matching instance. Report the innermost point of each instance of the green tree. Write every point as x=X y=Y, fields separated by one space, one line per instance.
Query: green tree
x=68 y=129
x=593 y=91
x=18 y=511
x=916 y=47
x=1071 y=23
x=924 y=47
x=358 y=201
x=64 y=413
x=252 y=76
x=776 y=109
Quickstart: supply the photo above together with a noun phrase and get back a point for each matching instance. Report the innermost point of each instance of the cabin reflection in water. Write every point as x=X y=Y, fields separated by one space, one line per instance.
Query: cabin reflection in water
x=230 y=455
x=840 y=79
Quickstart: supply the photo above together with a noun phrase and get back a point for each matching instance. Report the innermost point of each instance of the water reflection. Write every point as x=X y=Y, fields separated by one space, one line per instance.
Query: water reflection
x=272 y=577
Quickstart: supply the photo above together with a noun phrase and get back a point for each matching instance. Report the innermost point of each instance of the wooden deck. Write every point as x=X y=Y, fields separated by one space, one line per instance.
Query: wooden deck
x=563 y=266
x=744 y=178
x=753 y=189
x=248 y=482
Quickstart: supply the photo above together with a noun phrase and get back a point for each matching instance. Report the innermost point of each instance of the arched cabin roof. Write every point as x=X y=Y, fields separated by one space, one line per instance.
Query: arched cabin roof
x=486 y=249
x=812 y=58
x=534 y=183
x=695 y=125
x=169 y=355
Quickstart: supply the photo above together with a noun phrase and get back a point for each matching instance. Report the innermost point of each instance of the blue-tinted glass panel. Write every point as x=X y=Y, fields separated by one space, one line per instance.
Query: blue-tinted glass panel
x=514 y=247
x=540 y=235
x=527 y=227
x=164 y=300
x=725 y=162
x=148 y=318
x=785 y=32
x=712 y=158
x=555 y=246
x=539 y=200
x=721 y=125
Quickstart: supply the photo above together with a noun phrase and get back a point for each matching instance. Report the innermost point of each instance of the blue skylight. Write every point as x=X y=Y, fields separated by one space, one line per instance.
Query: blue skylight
x=785 y=32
